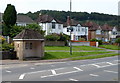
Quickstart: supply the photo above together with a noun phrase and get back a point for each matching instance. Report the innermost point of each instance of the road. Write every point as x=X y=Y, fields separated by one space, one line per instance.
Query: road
x=104 y=69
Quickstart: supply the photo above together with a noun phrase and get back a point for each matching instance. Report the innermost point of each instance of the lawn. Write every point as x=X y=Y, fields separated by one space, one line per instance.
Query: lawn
x=75 y=48
x=62 y=55
x=112 y=47
x=94 y=57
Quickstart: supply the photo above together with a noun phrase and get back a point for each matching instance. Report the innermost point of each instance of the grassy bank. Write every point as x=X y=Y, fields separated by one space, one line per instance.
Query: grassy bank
x=62 y=55
x=75 y=48
x=94 y=57
x=112 y=47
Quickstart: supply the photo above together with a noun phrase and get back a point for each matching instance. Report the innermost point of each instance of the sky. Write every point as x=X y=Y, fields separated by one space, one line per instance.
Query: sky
x=101 y=6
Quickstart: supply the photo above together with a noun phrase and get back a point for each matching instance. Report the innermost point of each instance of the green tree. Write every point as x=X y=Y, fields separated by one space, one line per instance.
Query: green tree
x=9 y=18
x=16 y=30
x=36 y=27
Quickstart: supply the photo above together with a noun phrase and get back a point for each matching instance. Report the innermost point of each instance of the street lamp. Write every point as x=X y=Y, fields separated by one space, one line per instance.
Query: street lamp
x=70 y=29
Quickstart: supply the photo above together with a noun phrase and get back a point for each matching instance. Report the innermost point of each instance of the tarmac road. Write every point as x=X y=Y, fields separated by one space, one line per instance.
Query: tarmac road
x=103 y=69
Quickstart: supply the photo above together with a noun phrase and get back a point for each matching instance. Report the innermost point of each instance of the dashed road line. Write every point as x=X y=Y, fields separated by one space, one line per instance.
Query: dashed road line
x=110 y=63
x=93 y=75
x=8 y=71
x=53 y=72
x=73 y=79
x=78 y=68
x=59 y=74
x=52 y=65
x=32 y=68
x=110 y=71
x=95 y=65
x=22 y=76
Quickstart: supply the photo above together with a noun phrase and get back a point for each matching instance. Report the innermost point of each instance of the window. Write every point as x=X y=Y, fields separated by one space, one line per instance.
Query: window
x=59 y=26
x=18 y=45
x=79 y=29
x=30 y=45
x=114 y=33
x=98 y=31
x=26 y=45
x=53 y=25
x=83 y=30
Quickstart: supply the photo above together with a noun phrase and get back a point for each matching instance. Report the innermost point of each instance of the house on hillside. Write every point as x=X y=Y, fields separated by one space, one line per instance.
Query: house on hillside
x=78 y=32
x=106 y=30
x=50 y=24
x=99 y=32
x=113 y=34
x=23 y=20
x=94 y=31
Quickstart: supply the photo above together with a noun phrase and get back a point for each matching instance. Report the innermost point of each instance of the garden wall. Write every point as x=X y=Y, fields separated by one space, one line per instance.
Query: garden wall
x=7 y=55
x=84 y=43
x=54 y=43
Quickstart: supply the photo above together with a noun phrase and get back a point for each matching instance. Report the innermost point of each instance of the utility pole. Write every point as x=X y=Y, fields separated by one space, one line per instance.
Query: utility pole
x=70 y=28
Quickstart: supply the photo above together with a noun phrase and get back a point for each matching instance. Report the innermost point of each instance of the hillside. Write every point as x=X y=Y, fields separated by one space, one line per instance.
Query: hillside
x=99 y=18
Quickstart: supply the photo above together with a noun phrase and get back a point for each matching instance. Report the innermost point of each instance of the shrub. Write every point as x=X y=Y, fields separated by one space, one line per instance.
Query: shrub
x=6 y=46
x=81 y=39
x=117 y=40
x=99 y=41
x=52 y=37
x=2 y=39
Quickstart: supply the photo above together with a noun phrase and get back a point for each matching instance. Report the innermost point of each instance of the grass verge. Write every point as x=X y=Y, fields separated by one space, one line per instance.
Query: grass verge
x=112 y=47
x=62 y=55
x=94 y=57
x=75 y=48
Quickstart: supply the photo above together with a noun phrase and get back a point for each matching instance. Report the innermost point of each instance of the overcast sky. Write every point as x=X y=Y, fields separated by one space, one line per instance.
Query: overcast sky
x=101 y=6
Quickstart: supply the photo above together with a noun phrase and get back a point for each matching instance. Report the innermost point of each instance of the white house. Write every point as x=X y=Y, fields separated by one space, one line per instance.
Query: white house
x=113 y=34
x=78 y=30
x=49 y=24
x=23 y=20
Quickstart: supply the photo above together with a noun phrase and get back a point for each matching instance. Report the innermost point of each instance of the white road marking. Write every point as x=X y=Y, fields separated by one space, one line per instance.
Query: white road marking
x=73 y=79
x=59 y=74
x=93 y=75
x=96 y=65
x=8 y=71
x=59 y=68
x=110 y=63
x=32 y=68
x=22 y=76
x=52 y=65
x=53 y=72
x=78 y=68
x=110 y=71
x=37 y=72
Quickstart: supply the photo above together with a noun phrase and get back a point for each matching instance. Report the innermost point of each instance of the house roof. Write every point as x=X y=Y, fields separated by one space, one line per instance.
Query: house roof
x=70 y=22
x=91 y=25
x=24 y=19
x=46 y=19
x=106 y=27
x=28 y=34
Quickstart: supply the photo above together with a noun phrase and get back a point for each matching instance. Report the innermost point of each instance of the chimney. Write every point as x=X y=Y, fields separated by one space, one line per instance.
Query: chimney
x=68 y=21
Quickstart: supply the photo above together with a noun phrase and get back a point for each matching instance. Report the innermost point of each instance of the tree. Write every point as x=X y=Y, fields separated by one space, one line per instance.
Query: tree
x=36 y=27
x=9 y=18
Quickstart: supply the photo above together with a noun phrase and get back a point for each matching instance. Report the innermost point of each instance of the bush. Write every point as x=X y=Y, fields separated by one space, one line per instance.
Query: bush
x=99 y=41
x=81 y=39
x=6 y=47
x=52 y=37
x=117 y=40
